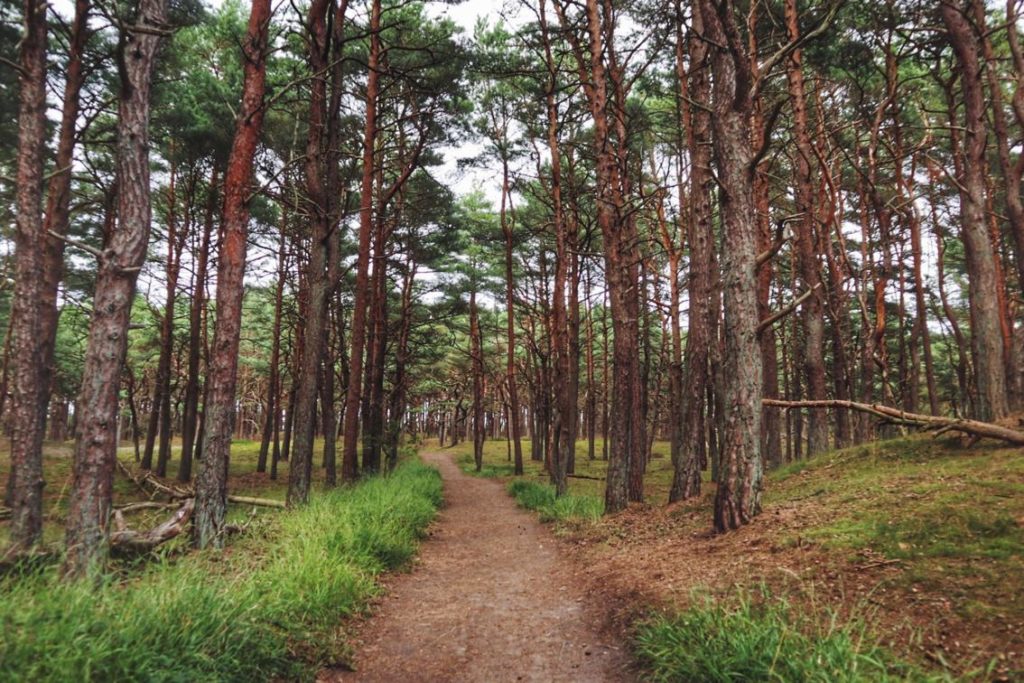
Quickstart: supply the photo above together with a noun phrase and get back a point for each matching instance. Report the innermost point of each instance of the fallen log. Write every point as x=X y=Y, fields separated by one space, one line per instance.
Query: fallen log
x=130 y=541
x=152 y=486
x=973 y=428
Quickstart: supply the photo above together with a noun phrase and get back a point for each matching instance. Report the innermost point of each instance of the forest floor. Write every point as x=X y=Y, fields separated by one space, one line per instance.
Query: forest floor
x=492 y=597
x=243 y=480
x=919 y=540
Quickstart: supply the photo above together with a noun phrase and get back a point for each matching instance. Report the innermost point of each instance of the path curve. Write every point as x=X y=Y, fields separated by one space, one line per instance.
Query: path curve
x=491 y=600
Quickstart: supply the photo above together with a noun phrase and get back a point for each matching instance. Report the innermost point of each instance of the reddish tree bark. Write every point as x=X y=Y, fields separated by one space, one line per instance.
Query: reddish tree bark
x=323 y=189
x=812 y=313
x=219 y=412
x=357 y=331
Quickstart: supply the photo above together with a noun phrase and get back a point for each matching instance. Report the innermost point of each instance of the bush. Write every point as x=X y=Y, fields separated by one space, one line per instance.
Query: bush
x=762 y=640
x=268 y=610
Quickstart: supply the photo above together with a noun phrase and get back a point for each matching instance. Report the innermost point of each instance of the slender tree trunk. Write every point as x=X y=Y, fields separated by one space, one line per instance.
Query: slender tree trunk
x=807 y=248
x=211 y=485
x=357 y=332
x=273 y=417
x=175 y=243
x=687 y=467
x=190 y=418
x=123 y=255
x=510 y=325
x=477 y=355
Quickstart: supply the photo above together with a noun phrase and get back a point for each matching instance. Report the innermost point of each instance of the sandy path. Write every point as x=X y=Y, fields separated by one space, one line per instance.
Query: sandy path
x=491 y=599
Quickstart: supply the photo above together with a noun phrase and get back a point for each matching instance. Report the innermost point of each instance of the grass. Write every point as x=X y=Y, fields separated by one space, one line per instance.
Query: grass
x=761 y=638
x=268 y=609
x=541 y=498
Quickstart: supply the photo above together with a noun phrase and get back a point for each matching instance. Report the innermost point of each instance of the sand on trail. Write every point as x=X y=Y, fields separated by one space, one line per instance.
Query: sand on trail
x=491 y=599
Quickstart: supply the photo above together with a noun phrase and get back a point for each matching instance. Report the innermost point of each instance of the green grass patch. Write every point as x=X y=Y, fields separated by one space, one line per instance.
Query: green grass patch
x=541 y=497
x=490 y=470
x=268 y=609
x=762 y=638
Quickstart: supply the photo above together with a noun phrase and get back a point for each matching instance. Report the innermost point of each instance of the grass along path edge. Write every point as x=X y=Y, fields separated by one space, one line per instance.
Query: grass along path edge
x=270 y=607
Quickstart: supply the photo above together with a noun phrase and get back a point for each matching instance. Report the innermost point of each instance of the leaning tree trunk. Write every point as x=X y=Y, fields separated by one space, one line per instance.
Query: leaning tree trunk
x=122 y=257
x=219 y=413
x=27 y=415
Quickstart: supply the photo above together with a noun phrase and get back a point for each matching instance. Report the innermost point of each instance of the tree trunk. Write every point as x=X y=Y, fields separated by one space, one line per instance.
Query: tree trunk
x=123 y=255
x=190 y=419
x=322 y=186
x=357 y=332
x=273 y=417
x=986 y=336
x=811 y=315
x=738 y=497
x=694 y=380
x=27 y=412
x=211 y=484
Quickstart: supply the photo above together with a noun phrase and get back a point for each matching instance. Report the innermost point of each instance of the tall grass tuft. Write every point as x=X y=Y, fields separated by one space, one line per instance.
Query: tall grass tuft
x=541 y=497
x=268 y=609
x=762 y=639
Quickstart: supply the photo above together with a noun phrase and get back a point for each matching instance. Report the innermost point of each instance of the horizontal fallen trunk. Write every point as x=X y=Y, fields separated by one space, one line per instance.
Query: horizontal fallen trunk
x=974 y=428
x=152 y=486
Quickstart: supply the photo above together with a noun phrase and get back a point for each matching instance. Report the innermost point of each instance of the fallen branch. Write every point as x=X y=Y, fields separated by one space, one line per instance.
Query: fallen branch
x=584 y=476
x=127 y=540
x=152 y=486
x=974 y=428
x=262 y=502
x=5 y=513
x=145 y=505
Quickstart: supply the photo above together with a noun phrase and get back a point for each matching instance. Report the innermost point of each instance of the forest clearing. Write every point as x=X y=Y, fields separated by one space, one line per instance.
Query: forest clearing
x=560 y=340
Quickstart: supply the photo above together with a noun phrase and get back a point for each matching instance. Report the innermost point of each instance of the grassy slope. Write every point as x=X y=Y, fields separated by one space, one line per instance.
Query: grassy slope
x=269 y=608
x=920 y=539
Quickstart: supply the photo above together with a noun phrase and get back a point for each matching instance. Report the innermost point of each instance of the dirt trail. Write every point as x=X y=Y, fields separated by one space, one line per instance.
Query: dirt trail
x=491 y=600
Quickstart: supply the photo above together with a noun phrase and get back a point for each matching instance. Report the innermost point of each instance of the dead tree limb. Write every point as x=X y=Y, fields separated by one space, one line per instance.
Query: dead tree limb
x=152 y=486
x=130 y=541
x=974 y=428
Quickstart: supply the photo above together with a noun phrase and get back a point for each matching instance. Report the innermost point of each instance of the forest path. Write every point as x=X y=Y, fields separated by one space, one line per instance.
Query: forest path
x=491 y=599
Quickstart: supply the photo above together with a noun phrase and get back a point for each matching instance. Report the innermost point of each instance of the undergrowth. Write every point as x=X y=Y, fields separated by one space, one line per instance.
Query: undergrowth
x=762 y=638
x=268 y=609
x=541 y=497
